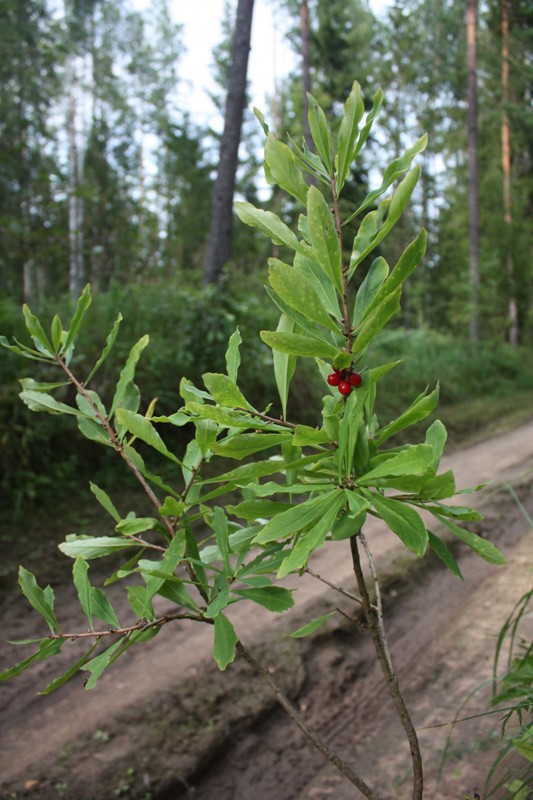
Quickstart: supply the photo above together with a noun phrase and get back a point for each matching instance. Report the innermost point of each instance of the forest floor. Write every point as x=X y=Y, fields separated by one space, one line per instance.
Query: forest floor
x=163 y=723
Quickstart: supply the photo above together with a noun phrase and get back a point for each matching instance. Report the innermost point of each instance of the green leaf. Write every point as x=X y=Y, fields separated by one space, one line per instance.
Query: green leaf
x=393 y=171
x=192 y=550
x=319 y=132
x=225 y=641
x=92 y=429
x=41 y=600
x=436 y=436
x=440 y=487
x=105 y=501
x=142 y=428
x=310 y=540
x=482 y=547
x=298 y=345
x=224 y=391
x=56 y=332
x=297 y=518
x=374 y=322
x=102 y=608
x=305 y=436
x=94 y=546
x=246 y=444
x=354 y=109
x=376 y=276
x=175 y=591
x=403 y=520
x=312 y=626
x=36 y=332
x=295 y=288
x=416 y=459
x=233 y=356
x=394 y=207
x=62 y=679
x=40 y=401
x=136 y=525
x=269 y=224
x=83 y=586
x=349 y=429
x=110 y=341
x=258 y=509
x=220 y=526
x=407 y=263
x=128 y=373
x=172 y=507
x=284 y=364
x=84 y=301
x=442 y=551
x=283 y=169
x=323 y=235
x=369 y=228
x=274 y=598
x=419 y=409
x=97 y=665
x=47 y=648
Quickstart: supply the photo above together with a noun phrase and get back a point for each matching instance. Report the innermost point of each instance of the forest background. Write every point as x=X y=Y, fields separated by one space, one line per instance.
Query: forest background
x=106 y=178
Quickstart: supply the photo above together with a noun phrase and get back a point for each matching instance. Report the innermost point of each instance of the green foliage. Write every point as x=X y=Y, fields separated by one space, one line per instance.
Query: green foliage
x=330 y=475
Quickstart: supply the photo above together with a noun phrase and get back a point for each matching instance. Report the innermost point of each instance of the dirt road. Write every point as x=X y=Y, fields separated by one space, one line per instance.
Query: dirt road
x=152 y=728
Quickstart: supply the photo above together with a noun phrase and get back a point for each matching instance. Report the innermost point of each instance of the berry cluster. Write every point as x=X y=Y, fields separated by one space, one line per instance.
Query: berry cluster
x=345 y=380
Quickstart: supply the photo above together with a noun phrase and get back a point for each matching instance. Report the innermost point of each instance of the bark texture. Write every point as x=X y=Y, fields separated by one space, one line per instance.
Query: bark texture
x=221 y=228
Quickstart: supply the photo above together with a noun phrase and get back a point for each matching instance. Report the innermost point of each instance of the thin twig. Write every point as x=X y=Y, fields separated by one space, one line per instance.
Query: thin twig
x=266 y=418
x=306 y=729
x=142 y=625
x=334 y=586
x=375 y=622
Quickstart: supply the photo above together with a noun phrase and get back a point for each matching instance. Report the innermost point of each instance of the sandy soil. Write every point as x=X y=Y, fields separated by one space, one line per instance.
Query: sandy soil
x=163 y=723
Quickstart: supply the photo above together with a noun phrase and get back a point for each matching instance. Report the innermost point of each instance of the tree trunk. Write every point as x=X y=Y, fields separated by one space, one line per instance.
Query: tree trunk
x=75 y=202
x=220 y=232
x=512 y=312
x=473 y=184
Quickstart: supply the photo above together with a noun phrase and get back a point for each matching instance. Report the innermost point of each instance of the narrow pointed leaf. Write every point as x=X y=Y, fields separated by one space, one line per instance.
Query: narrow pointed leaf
x=324 y=239
x=482 y=547
x=47 y=648
x=233 y=355
x=83 y=586
x=349 y=129
x=299 y=345
x=311 y=627
x=295 y=288
x=110 y=341
x=39 y=598
x=225 y=641
x=274 y=598
x=83 y=304
x=403 y=520
x=283 y=169
x=269 y=224
x=142 y=428
x=224 y=391
x=319 y=132
x=284 y=365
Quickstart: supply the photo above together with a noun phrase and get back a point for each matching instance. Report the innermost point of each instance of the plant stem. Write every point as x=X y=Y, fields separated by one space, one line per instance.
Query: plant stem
x=374 y=620
x=344 y=268
x=142 y=625
x=306 y=729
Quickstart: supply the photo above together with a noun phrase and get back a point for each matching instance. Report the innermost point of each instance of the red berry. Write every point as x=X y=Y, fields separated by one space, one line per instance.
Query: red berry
x=355 y=379
x=344 y=387
x=334 y=379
